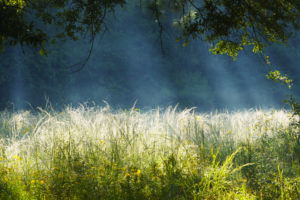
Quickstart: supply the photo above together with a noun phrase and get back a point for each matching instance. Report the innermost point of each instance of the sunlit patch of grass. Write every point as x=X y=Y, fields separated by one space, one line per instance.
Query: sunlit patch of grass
x=99 y=153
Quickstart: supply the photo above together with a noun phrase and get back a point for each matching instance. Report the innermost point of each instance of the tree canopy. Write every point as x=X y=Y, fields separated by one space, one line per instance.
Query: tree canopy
x=229 y=25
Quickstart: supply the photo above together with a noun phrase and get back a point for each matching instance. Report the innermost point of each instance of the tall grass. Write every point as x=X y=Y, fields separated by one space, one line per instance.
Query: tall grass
x=100 y=153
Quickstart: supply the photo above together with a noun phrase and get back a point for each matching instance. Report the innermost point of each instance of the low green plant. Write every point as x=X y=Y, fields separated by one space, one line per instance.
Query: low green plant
x=99 y=153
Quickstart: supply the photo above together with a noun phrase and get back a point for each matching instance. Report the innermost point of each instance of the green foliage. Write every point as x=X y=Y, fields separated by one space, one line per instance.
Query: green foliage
x=97 y=153
x=74 y=17
x=294 y=103
x=231 y=25
x=225 y=47
x=277 y=77
x=228 y=22
x=14 y=28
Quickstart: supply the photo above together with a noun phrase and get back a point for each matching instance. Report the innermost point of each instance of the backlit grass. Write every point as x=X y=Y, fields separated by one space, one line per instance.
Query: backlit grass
x=99 y=153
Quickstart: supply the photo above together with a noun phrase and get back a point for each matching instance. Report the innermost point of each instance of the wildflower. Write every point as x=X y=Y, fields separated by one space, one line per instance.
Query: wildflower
x=137 y=109
x=198 y=118
x=17 y=158
x=42 y=182
x=102 y=142
x=127 y=175
x=137 y=173
x=32 y=181
x=5 y=179
x=1 y=158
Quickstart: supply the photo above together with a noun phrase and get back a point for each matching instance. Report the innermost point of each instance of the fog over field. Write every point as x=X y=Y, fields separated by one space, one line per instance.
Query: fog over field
x=149 y=100
x=128 y=64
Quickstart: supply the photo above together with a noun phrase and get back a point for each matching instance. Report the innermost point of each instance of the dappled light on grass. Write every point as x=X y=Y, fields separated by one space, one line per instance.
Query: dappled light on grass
x=99 y=153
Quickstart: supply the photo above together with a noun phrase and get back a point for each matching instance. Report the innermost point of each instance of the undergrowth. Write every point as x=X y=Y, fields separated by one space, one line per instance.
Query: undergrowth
x=99 y=153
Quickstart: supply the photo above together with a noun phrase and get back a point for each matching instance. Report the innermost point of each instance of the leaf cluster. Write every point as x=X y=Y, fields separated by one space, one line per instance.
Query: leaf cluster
x=231 y=25
x=75 y=18
x=14 y=27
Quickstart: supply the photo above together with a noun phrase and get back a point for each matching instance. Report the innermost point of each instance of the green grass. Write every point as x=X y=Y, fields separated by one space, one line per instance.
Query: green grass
x=99 y=153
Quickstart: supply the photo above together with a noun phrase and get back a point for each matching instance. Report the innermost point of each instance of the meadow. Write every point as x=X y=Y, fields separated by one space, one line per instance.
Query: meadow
x=102 y=153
